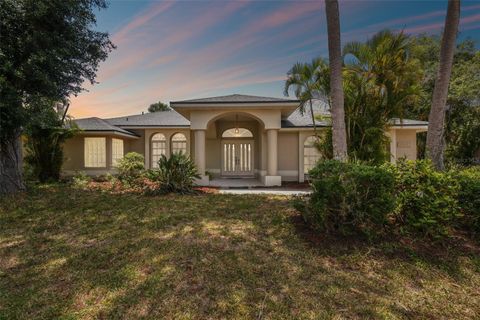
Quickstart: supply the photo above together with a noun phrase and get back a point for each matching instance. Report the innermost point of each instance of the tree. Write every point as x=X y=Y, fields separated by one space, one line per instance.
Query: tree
x=462 y=125
x=339 y=135
x=381 y=82
x=48 y=48
x=158 y=106
x=45 y=135
x=309 y=82
x=436 y=118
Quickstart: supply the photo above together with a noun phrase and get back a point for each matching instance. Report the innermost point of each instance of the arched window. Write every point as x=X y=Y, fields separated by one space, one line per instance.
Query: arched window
x=237 y=133
x=310 y=154
x=159 y=147
x=179 y=143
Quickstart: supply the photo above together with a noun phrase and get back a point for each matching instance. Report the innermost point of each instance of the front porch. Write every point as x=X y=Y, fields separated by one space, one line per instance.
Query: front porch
x=244 y=183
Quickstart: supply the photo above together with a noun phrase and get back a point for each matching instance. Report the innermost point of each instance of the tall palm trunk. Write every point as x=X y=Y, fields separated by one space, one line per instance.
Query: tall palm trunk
x=436 y=119
x=339 y=137
x=313 y=119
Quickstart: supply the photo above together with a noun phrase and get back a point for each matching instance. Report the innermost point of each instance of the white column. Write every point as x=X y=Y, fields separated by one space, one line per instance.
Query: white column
x=272 y=160
x=147 y=149
x=200 y=157
x=200 y=151
x=272 y=178
x=393 y=145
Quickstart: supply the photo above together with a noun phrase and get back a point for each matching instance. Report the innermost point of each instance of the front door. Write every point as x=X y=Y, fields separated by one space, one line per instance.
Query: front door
x=237 y=158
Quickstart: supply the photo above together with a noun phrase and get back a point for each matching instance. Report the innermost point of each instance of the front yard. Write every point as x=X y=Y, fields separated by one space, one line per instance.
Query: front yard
x=75 y=254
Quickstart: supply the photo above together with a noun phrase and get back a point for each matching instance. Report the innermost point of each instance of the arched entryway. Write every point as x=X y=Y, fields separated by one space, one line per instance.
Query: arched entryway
x=233 y=141
x=237 y=153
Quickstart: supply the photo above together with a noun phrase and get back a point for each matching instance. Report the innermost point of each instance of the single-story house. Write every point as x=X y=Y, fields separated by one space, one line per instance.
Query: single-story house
x=230 y=136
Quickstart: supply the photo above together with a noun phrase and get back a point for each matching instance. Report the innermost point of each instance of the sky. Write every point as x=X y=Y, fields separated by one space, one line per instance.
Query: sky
x=176 y=50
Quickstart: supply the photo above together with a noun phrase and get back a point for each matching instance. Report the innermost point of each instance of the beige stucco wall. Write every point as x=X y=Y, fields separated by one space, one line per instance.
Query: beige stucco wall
x=407 y=144
x=288 y=158
x=74 y=157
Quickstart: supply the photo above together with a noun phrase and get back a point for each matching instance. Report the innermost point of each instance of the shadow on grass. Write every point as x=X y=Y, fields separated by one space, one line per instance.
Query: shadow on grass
x=77 y=254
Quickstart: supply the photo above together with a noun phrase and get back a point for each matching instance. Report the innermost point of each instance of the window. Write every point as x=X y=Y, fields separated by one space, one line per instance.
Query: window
x=237 y=133
x=159 y=147
x=95 y=152
x=117 y=150
x=310 y=154
x=179 y=143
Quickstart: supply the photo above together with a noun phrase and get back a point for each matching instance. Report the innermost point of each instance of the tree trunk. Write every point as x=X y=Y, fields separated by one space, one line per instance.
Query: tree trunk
x=11 y=163
x=313 y=119
x=339 y=137
x=435 y=140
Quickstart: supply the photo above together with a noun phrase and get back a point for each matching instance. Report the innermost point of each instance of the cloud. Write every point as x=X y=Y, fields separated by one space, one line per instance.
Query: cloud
x=140 y=20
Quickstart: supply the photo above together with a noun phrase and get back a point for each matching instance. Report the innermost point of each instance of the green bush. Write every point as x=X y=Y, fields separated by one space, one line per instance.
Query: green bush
x=80 y=180
x=175 y=174
x=469 y=197
x=426 y=199
x=349 y=198
x=131 y=167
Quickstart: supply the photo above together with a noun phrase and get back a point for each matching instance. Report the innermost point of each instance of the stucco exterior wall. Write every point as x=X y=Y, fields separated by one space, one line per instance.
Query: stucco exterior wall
x=287 y=155
x=74 y=155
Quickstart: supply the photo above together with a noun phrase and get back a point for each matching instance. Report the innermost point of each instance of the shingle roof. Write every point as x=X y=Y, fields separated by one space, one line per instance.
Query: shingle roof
x=407 y=122
x=296 y=119
x=97 y=124
x=169 y=118
x=235 y=98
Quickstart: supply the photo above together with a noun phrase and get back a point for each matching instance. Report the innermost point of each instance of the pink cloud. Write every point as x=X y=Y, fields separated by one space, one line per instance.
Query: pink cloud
x=140 y=20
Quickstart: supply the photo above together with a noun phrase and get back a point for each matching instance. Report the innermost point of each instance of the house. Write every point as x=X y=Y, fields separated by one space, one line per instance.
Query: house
x=230 y=136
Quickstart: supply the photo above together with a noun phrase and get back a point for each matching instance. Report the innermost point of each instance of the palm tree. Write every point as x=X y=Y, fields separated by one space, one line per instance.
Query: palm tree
x=436 y=119
x=380 y=82
x=309 y=82
x=339 y=135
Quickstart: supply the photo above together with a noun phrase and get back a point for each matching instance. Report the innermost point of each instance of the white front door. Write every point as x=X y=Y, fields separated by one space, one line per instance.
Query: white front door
x=237 y=157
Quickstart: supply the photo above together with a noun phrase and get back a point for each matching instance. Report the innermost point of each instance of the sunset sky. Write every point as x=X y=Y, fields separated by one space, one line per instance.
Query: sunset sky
x=191 y=49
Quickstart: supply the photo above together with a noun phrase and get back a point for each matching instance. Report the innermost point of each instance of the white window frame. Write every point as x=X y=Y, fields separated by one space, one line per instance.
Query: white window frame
x=95 y=152
x=179 y=144
x=158 y=147
x=309 y=160
x=117 y=150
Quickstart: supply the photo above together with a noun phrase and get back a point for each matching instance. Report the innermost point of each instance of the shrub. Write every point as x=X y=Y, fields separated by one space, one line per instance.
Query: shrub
x=131 y=167
x=176 y=174
x=349 y=198
x=80 y=180
x=469 y=197
x=426 y=199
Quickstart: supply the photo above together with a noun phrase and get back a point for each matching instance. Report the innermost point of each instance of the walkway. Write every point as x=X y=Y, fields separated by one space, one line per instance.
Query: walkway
x=273 y=191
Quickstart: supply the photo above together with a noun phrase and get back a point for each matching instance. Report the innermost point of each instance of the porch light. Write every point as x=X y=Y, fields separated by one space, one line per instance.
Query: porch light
x=237 y=131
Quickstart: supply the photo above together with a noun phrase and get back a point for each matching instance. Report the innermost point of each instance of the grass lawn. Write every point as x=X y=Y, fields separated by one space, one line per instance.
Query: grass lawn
x=74 y=254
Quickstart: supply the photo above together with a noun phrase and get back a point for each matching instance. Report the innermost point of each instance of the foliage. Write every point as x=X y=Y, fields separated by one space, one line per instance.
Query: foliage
x=81 y=180
x=426 y=199
x=176 y=174
x=130 y=167
x=463 y=112
x=381 y=82
x=349 y=198
x=310 y=81
x=469 y=197
x=47 y=49
x=45 y=135
x=158 y=106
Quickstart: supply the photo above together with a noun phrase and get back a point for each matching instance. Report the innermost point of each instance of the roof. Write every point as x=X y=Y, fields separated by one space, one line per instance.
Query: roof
x=299 y=120
x=169 y=118
x=236 y=98
x=97 y=124
x=407 y=122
